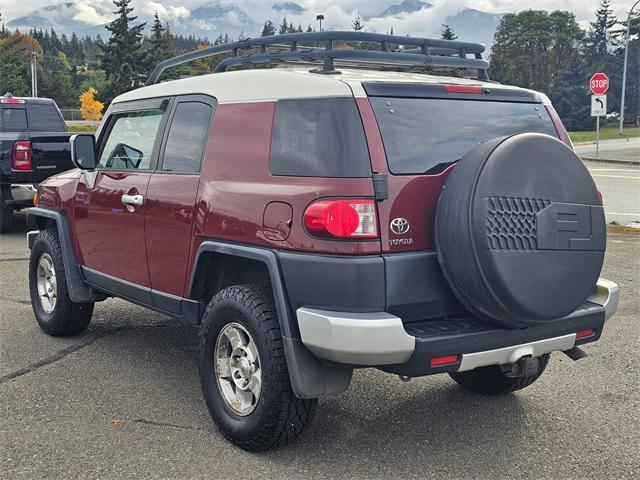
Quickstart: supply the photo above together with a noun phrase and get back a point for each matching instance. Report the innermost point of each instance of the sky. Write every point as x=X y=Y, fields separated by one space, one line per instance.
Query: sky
x=338 y=13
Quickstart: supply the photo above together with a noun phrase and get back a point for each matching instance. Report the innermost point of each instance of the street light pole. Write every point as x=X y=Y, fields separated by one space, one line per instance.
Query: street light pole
x=34 y=74
x=624 y=69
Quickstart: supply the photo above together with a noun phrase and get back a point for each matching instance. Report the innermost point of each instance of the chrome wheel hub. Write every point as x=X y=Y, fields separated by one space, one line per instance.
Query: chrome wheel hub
x=47 y=284
x=238 y=370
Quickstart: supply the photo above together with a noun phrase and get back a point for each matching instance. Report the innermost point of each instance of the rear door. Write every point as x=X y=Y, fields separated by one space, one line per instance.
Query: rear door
x=111 y=202
x=171 y=196
x=418 y=132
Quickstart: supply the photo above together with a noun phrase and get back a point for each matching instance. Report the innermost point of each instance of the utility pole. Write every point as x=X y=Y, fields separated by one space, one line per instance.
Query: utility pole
x=34 y=74
x=624 y=69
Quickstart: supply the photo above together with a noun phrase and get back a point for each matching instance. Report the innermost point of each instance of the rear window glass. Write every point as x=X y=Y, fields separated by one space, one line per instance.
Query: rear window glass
x=44 y=118
x=13 y=120
x=424 y=135
x=319 y=138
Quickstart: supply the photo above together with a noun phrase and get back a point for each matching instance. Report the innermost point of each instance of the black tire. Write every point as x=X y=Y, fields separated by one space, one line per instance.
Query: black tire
x=492 y=381
x=279 y=416
x=519 y=220
x=67 y=318
x=6 y=218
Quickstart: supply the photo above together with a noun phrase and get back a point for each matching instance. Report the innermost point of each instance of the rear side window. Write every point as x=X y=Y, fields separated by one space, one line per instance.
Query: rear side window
x=44 y=118
x=319 y=138
x=425 y=135
x=186 y=138
x=13 y=120
x=130 y=141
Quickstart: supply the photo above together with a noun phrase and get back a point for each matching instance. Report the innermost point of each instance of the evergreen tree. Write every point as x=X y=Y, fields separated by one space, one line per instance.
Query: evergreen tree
x=3 y=31
x=122 y=58
x=309 y=28
x=447 y=32
x=283 y=26
x=160 y=44
x=598 y=39
x=356 y=24
x=75 y=52
x=268 y=29
x=632 y=92
x=598 y=47
x=54 y=42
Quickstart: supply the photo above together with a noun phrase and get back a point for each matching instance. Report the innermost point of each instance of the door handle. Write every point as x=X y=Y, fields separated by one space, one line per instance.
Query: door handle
x=133 y=200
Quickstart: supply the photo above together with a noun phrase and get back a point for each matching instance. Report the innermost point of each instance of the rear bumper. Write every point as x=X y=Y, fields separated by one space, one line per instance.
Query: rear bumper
x=21 y=195
x=381 y=339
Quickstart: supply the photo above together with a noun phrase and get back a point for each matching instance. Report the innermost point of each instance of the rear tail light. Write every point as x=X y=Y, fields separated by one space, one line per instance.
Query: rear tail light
x=11 y=100
x=21 y=158
x=474 y=89
x=584 y=334
x=601 y=197
x=442 y=361
x=563 y=135
x=353 y=219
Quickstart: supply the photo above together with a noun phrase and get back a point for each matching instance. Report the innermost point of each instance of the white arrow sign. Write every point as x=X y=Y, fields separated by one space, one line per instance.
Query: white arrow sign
x=598 y=105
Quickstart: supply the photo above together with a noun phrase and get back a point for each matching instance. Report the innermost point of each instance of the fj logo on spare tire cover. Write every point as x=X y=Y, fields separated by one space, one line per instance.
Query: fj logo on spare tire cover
x=515 y=223
x=399 y=226
x=566 y=226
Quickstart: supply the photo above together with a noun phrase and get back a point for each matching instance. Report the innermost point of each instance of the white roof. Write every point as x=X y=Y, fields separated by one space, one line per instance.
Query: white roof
x=262 y=85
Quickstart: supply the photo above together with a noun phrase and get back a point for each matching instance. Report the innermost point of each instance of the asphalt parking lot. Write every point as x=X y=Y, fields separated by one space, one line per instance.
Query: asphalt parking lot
x=123 y=400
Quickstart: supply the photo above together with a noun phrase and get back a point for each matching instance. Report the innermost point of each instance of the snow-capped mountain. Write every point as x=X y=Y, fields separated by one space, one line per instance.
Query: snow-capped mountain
x=217 y=17
x=288 y=8
x=407 y=6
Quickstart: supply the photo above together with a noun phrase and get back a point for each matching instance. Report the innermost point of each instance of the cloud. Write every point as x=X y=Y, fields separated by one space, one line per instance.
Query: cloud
x=165 y=12
x=87 y=13
x=338 y=13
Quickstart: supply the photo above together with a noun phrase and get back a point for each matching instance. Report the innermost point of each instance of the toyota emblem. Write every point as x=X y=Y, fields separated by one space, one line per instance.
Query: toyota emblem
x=399 y=226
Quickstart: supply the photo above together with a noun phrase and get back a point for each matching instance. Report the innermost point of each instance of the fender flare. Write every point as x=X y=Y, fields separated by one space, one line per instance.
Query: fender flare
x=79 y=290
x=310 y=378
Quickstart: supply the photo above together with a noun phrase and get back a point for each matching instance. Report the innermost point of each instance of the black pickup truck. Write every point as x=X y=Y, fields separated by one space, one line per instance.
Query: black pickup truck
x=34 y=145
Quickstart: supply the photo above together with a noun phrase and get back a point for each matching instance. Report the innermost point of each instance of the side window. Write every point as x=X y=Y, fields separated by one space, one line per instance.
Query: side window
x=187 y=137
x=129 y=143
x=319 y=137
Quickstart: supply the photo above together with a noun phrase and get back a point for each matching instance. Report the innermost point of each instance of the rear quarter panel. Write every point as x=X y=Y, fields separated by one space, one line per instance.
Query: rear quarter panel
x=236 y=186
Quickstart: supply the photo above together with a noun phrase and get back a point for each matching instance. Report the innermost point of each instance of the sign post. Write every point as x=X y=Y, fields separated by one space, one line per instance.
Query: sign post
x=599 y=84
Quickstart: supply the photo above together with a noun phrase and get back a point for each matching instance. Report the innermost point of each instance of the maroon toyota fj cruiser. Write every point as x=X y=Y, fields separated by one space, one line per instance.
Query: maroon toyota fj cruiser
x=317 y=220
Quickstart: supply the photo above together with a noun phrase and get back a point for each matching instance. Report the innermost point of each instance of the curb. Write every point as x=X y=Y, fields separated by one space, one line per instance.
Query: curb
x=607 y=160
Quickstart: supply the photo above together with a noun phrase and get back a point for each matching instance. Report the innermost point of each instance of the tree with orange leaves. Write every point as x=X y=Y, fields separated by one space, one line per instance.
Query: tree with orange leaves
x=90 y=107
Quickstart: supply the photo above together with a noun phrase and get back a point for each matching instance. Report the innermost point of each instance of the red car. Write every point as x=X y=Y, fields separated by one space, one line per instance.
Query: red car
x=317 y=220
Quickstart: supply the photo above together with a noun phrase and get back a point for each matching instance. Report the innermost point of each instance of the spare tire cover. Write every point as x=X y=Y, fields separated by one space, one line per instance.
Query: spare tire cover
x=520 y=230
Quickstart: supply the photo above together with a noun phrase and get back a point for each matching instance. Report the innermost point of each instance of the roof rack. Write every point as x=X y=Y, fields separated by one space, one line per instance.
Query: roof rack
x=426 y=52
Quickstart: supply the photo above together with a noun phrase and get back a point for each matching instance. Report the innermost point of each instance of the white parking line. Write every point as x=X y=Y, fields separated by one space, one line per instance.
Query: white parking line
x=625 y=214
x=613 y=170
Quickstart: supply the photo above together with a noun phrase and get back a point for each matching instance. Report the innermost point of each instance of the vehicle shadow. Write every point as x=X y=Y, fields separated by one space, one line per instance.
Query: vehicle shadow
x=383 y=425
x=380 y=425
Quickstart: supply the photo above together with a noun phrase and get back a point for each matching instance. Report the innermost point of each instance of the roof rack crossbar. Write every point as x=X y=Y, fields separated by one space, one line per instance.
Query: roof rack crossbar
x=426 y=52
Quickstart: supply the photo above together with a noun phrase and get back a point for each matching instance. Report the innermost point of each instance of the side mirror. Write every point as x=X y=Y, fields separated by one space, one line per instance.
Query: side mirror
x=83 y=151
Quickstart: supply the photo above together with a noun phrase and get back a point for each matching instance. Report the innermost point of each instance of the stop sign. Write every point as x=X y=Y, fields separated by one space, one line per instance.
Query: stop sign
x=599 y=83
